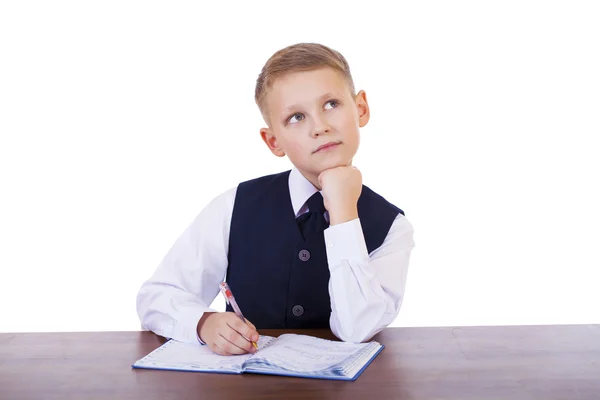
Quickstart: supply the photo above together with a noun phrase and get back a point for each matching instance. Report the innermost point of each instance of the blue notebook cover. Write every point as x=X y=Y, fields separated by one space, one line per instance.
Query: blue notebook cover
x=289 y=355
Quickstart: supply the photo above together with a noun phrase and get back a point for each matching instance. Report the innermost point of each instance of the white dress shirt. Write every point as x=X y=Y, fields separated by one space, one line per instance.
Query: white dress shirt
x=366 y=290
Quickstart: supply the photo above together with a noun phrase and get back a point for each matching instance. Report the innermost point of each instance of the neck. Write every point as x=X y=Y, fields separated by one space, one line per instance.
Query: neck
x=311 y=178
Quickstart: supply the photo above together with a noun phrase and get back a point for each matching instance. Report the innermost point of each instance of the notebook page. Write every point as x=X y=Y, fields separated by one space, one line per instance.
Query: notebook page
x=194 y=357
x=305 y=354
x=352 y=365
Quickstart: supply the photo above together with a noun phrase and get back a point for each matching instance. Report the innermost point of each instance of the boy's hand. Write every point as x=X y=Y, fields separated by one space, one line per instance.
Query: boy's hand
x=341 y=187
x=225 y=333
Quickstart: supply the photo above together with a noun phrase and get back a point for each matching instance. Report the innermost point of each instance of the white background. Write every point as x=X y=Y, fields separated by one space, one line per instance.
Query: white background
x=120 y=120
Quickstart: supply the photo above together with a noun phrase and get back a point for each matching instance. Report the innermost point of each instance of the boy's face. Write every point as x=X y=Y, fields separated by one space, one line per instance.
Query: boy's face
x=314 y=119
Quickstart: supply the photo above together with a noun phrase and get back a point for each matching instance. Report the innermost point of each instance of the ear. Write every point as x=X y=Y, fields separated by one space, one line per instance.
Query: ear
x=362 y=106
x=271 y=141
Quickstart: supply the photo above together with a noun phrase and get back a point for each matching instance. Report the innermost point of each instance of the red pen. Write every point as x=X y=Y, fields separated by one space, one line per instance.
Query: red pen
x=231 y=300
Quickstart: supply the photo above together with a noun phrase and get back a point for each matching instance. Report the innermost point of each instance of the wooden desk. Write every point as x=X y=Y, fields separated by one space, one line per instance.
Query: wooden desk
x=520 y=362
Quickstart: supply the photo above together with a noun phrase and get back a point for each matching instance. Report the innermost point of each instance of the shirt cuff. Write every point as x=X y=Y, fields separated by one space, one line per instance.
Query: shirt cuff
x=197 y=335
x=346 y=243
x=199 y=340
x=185 y=329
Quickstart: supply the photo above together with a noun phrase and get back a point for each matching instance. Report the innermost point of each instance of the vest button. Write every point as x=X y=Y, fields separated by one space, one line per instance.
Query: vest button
x=304 y=255
x=298 y=310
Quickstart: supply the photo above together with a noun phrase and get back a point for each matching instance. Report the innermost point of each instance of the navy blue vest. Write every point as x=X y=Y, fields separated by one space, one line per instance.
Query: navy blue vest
x=278 y=279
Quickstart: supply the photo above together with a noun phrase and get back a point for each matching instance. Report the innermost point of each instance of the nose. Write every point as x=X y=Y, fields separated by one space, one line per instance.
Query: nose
x=320 y=127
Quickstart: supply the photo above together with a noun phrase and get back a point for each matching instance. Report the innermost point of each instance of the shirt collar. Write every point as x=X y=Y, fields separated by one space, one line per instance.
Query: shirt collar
x=300 y=190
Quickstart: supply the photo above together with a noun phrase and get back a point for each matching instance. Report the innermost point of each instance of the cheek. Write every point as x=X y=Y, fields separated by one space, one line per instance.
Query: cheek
x=347 y=120
x=293 y=148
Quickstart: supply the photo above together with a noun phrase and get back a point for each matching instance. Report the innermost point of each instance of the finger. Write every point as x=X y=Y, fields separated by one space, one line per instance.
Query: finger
x=258 y=335
x=247 y=331
x=219 y=350
x=240 y=334
x=320 y=180
x=219 y=346
x=223 y=347
x=233 y=343
x=251 y=325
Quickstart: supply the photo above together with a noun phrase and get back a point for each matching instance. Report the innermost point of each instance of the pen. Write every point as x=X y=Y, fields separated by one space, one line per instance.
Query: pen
x=231 y=300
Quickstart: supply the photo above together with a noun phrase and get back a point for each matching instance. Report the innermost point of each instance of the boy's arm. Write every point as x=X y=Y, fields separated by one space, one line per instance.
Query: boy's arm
x=366 y=291
x=186 y=282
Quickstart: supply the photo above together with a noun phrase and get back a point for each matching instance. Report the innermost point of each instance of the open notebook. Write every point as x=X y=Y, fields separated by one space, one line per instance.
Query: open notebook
x=289 y=355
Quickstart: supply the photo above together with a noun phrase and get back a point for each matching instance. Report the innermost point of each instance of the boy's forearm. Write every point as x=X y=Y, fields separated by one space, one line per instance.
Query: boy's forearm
x=366 y=292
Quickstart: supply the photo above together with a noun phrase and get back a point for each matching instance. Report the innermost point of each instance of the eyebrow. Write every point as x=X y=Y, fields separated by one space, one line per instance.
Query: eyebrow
x=322 y=98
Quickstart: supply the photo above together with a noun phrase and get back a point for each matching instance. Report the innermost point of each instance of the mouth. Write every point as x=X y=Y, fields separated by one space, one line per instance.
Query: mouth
x=327 y=146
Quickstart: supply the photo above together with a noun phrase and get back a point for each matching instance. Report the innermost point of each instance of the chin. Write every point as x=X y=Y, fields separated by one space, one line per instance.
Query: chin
x=334 y=164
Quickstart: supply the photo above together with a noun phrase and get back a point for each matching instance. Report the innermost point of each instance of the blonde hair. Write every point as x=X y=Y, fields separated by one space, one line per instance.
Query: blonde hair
x=295 y=58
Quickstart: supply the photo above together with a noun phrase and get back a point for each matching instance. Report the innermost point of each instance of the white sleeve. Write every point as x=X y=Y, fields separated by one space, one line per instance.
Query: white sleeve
x=186 y=282
x=366 y=291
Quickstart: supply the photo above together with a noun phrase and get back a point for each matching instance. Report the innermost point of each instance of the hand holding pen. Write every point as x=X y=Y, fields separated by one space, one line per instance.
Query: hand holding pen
x=231 y=301
x=227 y=333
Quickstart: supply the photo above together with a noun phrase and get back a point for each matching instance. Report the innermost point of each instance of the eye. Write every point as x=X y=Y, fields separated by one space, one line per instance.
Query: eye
x=295 y=118
x=331 y=104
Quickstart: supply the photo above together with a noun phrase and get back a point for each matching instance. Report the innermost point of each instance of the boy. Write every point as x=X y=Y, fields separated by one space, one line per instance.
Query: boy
x=307 y=248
